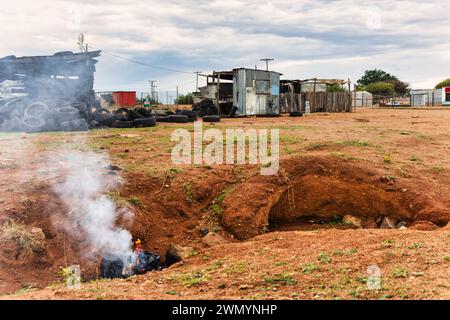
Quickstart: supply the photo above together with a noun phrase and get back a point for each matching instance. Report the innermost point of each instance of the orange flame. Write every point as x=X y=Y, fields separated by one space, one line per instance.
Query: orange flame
x=138 y=245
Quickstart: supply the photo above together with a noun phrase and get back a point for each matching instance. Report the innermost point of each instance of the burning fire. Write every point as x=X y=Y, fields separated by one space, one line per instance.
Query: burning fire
x=139 y=262
x=138 y=246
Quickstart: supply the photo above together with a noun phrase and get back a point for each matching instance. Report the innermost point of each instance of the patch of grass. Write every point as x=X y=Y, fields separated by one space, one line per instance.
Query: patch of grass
x=388 y=243
x=13 y=231
x=399 y=273
x=415 y=245
x=216 y=209
x=317 y=146
x=280 y=264
x=324 y=258
x=414 y=158
x=188 y=190
x=282 y=278
x=237 y=268
x=173 y=171
x=193 y=253
x=423 y=137
x=336 y=220
x=192 y=279
x=387 y=159
x=215 y=265
x=221 y=198
x=447 y=258
x=290 y=139
x=25 y=288
x=345 y=252
x=355 y=143
x=173 y=293
x=134 y=201
x=437 y=169
x=288 y=150
x=309 y=268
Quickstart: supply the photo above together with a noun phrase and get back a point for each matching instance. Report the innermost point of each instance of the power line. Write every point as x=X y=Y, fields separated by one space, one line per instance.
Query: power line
x=142 y=63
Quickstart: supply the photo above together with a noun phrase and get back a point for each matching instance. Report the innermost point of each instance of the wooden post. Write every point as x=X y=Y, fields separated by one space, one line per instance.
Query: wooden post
x=218 y=95
x=314 y=94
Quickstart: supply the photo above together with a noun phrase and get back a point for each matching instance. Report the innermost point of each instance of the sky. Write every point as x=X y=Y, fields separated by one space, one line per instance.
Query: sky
x=307 y=38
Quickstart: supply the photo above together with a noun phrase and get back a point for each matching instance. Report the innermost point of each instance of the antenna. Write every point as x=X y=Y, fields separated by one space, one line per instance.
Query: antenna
x=81 y=45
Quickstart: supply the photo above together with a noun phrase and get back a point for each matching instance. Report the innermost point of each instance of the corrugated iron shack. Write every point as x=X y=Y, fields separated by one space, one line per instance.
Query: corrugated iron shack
x=256 y=92
x=248 y=91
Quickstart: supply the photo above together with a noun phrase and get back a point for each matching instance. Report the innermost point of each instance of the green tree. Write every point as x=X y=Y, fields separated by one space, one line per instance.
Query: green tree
x=185 y=99
x=444 y=83
x=400 y=87
x=375 y=75
x=381 y=88
x=335 y=88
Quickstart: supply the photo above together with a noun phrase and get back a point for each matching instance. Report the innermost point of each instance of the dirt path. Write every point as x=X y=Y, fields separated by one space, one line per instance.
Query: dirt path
x=329 y=264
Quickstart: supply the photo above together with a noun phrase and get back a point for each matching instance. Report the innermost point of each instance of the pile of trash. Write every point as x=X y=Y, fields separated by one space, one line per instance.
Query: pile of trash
x=206 y=107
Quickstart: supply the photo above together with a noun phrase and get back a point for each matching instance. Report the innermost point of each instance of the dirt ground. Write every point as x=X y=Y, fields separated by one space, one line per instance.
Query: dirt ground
x=281 y=237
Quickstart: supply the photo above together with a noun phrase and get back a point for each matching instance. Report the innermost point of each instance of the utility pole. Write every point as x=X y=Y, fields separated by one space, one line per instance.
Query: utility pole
x=267 y=62
x=177 y=97
x=196 y=81
x=152 y=89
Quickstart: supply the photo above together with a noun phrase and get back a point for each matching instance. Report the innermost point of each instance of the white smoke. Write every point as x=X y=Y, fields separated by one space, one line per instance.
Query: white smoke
x=83 y=184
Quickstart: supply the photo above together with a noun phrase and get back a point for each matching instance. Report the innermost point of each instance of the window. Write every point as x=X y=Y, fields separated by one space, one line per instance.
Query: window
x=447 y=96
x=262 y=86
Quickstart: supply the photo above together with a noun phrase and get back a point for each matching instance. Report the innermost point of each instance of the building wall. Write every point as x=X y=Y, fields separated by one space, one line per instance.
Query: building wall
x=256 y=92
x=426 y=97
x=362 y=99
x=309 y=87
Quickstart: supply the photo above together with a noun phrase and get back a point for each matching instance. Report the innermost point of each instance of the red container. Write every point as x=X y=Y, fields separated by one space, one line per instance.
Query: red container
x=124 y=98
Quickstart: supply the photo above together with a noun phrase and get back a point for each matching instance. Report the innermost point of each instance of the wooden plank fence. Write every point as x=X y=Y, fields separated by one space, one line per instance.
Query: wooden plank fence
x=318 y=102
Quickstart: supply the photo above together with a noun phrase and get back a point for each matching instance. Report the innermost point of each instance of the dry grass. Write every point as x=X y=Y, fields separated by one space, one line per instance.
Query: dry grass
x=13 y=231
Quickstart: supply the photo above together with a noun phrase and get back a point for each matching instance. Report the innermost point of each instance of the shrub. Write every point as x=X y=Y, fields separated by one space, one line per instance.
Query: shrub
x=381 y=88
x=444 y=83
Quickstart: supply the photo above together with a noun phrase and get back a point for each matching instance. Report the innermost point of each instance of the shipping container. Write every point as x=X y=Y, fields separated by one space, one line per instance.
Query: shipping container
x=124 y=98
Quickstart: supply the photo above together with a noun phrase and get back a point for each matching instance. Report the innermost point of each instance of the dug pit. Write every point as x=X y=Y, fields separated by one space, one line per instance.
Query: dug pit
x=311 y=193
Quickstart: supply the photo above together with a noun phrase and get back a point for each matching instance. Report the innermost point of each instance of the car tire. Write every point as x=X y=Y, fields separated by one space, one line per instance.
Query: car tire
x=145 y=122
x=295 y=114
x=178 y=118
x=143 y=112
x=211 y=119
x=122 y=124
x=161 y=118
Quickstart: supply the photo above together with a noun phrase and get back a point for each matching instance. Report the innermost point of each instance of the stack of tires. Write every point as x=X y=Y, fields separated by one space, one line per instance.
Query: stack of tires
x=35 y=116
x=124 y=118
x=181 y=116
x=205 y=107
